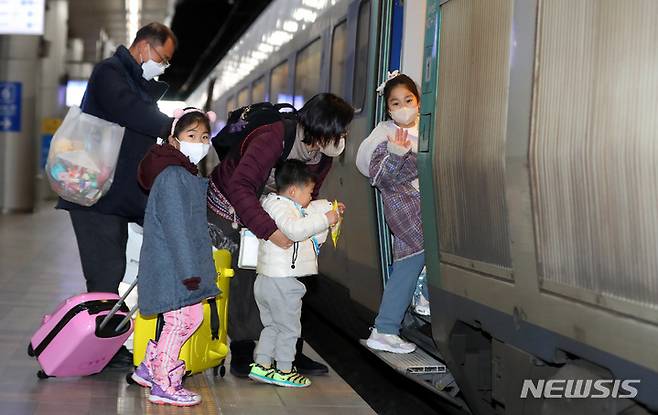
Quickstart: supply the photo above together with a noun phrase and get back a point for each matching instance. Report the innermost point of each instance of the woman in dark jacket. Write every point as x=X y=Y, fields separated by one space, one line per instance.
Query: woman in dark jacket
x=233 y=201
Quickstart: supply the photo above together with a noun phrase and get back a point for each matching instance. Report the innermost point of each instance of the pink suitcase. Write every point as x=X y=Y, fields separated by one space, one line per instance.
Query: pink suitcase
x=71 y=341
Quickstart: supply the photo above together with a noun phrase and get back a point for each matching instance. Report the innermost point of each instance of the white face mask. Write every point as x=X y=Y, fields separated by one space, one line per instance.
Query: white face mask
x=194 y=151
x=332 y=150
x=151 y=68
x=405 y=115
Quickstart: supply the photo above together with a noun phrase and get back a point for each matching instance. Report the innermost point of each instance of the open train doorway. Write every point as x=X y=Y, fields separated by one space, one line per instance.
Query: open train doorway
x=399 y=53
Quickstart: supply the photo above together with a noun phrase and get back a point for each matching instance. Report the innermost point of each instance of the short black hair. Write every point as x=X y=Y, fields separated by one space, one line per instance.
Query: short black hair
x=403 y=80
x=157 y=33
x=324 y=118
x=190 y=118
x=290 y=173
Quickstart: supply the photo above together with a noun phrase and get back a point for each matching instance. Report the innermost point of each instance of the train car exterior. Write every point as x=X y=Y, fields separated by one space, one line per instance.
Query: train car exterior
x=538 y=191
x=536 y=154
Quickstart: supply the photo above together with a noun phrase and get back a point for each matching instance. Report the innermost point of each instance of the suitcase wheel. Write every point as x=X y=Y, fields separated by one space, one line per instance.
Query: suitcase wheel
x=221 y=370
x=42 y=375
x=30 y=350
x=129 y=379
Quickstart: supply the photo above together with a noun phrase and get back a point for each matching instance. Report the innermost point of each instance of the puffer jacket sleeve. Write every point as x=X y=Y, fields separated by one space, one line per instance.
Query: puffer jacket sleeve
x=320 y=207
x=174 y=197
x=392 y=165
x=365 y=152
x=294 y=227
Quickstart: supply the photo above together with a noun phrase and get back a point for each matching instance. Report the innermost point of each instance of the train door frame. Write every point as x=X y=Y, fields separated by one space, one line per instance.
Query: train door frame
x=392 y=23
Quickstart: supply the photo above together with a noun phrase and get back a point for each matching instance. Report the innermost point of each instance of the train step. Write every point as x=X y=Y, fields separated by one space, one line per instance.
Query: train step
x=423 y=369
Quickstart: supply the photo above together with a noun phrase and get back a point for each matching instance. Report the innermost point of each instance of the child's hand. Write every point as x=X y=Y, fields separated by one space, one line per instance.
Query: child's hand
x=341 y=208
x=401 y=138
x=333 y=217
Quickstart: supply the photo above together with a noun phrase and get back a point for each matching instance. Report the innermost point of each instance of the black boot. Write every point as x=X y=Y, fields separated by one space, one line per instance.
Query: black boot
x=242 y=355
x=123 y=359
x=305 y=365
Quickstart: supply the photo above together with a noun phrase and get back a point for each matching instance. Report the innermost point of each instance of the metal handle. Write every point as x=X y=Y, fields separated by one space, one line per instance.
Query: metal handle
x=118 y=305
x=126 y=319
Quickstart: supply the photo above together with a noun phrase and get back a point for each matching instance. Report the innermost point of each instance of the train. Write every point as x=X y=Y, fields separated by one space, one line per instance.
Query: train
x=537 y=157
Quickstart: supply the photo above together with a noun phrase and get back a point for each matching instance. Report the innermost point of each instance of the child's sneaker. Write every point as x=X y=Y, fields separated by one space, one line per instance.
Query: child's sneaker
x=260 y=373
x=290 y=379
x=389 y=343
x=174 y=393
x=143 y=375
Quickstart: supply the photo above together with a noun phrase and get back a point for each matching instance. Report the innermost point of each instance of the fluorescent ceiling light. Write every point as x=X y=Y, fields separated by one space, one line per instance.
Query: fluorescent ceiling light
x=304 y=14
x=290 y=26
x=316 y=4
x=133 y=8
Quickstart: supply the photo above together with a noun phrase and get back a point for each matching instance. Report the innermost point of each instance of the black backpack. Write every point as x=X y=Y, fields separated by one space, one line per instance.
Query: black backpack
x=242 y=121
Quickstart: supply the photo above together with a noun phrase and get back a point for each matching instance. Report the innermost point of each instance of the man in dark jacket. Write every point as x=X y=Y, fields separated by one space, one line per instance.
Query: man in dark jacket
x=122 y=90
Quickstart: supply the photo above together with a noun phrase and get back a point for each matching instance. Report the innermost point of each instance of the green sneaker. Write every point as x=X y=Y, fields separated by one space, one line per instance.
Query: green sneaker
x=290 y=379
x=261 y=373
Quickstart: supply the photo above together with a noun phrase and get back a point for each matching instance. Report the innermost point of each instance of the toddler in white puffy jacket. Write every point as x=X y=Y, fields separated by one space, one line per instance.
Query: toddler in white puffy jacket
x=278 y=293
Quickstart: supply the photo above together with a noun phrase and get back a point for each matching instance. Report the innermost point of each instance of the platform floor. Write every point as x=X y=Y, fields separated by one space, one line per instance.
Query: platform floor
x=39 y=267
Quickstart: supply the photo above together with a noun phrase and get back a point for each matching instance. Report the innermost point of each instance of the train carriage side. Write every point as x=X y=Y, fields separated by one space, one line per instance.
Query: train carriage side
x=537 y=162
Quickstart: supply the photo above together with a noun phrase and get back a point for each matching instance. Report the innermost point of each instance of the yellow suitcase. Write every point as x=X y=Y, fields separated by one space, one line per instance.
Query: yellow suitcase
x=200 y=352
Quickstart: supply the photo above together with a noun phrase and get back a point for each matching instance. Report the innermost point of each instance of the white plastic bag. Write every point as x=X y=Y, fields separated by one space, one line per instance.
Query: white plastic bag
x=133 y=249
x=248 y=257
x=83 y=157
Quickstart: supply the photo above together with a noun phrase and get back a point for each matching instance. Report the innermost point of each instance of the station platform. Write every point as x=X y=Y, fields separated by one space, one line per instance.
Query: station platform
x=39 y=267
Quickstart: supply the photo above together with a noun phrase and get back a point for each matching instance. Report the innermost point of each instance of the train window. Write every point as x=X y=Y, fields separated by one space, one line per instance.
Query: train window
x=361 y=56
x=258 y=90
x=307 y=72
x=243 y=97
x=338 y=57
x=279 y=90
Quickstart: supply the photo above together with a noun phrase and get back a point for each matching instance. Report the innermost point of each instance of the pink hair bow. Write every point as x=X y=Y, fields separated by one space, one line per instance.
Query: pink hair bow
x=178 y=113
x=389 y=76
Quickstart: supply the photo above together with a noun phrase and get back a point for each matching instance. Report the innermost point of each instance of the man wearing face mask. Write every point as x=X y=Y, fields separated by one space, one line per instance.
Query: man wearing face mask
x=233 y=202
x=122 y=89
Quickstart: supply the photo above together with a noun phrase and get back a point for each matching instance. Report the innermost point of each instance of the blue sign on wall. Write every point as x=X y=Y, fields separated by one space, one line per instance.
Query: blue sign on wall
x=10 y=106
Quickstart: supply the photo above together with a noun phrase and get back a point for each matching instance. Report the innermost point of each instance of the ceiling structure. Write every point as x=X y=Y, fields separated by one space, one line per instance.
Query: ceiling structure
x=206 y=30
x=94 y=21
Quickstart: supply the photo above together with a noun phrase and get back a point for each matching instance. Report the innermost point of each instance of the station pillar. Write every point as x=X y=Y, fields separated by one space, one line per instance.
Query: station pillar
x=19 y=64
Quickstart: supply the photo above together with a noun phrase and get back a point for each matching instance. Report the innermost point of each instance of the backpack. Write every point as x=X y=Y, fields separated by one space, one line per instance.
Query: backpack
x=242 y=121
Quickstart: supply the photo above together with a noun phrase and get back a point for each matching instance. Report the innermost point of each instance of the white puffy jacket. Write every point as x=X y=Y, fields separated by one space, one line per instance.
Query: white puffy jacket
x=300 y=259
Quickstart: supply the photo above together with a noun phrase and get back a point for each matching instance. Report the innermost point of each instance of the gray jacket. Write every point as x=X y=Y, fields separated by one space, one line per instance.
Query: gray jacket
x=176 y=267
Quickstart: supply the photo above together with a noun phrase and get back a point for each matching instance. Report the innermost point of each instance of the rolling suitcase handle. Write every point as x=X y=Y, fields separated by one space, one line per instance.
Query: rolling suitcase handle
x=116 y=307
x=126 y=319
x=214 y=318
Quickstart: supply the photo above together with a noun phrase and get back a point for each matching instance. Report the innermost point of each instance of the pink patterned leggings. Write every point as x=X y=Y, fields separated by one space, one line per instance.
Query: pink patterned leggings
x=178 y=327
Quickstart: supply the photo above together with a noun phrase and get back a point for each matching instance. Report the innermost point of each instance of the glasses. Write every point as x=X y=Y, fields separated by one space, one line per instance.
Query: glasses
x=164 y=61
